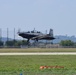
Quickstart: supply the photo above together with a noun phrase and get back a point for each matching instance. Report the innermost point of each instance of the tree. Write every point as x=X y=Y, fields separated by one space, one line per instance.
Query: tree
x=67 y=43
x=16 y=43
x=24 y=42
x=9 y=43
x=1 y=43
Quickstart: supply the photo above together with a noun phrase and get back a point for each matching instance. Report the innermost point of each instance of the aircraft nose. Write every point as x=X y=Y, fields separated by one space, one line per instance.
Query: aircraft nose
x=19 y=34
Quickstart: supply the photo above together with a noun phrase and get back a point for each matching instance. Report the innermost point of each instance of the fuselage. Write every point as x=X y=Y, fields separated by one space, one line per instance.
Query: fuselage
x=35 y=35
x=29 y=35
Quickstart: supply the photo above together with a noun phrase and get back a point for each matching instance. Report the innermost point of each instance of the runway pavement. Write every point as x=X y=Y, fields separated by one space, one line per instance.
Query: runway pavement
x=48 y=53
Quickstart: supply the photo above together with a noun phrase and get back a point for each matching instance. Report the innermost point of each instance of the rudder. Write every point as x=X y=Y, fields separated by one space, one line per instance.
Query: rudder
x=51 y=32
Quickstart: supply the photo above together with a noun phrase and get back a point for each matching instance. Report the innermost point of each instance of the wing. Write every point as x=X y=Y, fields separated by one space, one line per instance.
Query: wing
x=39 y=37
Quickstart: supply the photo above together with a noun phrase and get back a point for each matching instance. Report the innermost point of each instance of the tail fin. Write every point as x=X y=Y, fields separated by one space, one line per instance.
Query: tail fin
x=51 y=32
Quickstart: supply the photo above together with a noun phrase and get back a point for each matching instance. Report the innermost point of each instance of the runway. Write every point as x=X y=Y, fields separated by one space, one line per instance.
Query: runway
x=47 y=53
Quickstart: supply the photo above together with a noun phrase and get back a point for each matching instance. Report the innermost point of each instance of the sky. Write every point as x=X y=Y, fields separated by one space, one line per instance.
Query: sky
x=60 y=15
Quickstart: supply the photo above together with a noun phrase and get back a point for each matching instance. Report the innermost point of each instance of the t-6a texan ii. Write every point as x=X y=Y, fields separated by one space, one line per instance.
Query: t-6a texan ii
x=36 y=35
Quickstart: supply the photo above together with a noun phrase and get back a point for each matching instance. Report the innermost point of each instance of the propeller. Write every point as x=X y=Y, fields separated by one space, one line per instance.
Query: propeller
x=19 y=30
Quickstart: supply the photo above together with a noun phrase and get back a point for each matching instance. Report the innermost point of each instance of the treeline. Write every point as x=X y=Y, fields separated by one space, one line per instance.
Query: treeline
x=13 y=43
x=67 y=43
x=19 y=43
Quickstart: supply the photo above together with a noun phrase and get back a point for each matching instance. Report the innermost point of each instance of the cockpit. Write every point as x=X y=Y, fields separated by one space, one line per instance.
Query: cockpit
x=34 y=31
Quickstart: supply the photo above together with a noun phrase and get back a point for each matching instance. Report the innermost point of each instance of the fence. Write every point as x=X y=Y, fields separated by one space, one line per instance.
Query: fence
x=39 y=46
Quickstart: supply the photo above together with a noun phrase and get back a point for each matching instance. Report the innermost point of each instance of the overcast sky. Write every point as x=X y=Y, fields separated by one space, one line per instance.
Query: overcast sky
x=60 y=15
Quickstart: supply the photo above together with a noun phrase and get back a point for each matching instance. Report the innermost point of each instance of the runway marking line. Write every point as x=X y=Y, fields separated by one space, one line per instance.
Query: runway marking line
x=51 y=53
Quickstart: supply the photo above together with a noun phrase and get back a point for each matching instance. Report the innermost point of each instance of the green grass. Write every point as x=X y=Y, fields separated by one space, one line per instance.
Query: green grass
x=37 y=50
x=29 y=65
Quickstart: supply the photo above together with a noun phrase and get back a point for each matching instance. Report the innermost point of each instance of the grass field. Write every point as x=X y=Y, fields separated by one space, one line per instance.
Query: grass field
x=37 y=50
x=30 y=65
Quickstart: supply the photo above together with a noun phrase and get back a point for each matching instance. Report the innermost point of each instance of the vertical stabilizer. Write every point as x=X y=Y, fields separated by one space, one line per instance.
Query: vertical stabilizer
x=51 y=32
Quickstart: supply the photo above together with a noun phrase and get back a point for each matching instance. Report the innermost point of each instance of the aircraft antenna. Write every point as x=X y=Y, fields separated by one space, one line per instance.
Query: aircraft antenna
x=46 y=32
x=34 y=29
